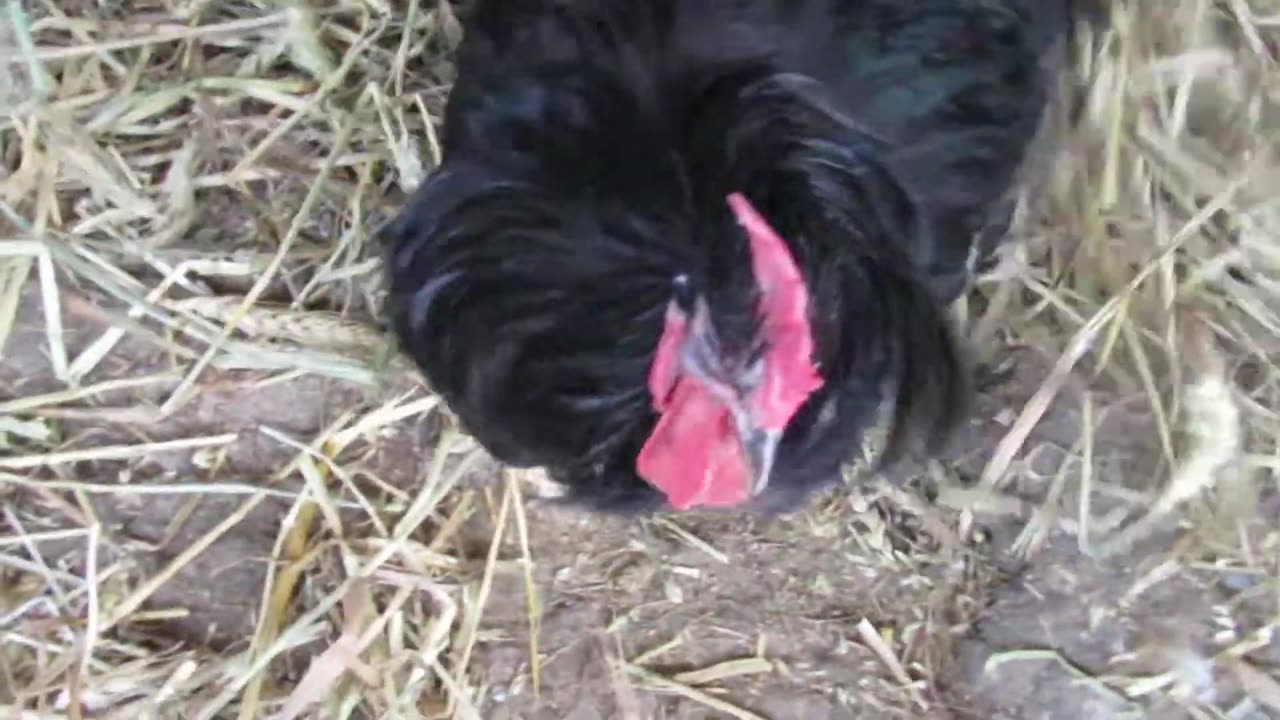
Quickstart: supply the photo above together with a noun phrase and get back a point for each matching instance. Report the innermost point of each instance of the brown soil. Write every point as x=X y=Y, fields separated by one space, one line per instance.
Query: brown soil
x=791 y=589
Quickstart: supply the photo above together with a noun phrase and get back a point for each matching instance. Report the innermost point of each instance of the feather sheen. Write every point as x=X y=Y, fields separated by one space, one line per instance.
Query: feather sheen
x=588 y=150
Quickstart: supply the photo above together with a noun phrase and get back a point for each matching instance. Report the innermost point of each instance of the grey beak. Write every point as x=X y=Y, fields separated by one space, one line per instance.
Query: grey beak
x=759 y=448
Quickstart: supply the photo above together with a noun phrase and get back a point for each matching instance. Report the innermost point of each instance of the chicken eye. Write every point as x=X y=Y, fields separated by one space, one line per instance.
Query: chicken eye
x=683 y=293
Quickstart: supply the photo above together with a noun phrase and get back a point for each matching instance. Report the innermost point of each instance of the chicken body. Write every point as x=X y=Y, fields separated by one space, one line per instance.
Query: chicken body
x=580 y=214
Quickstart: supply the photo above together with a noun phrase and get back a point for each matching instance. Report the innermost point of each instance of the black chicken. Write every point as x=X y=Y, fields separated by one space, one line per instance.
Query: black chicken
x=680 y=252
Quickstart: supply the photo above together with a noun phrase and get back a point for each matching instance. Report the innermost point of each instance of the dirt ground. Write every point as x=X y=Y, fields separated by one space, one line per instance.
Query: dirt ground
x=791 y=589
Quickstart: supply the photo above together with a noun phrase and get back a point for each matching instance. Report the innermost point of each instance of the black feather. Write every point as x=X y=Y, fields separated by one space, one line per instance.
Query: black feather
x=588 y=150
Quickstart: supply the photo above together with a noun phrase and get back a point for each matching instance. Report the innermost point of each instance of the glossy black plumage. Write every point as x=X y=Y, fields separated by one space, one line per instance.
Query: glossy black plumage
x=588 y=149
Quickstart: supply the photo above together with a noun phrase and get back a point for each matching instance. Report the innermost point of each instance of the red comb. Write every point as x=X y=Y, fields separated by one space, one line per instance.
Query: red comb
x=693 y=455
x=790 y=375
